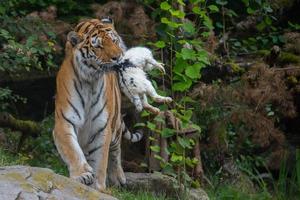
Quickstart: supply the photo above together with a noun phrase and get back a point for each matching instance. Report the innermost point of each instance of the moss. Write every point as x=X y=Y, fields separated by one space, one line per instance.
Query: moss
x=43 y=180
x=27 y=187
x=234 y=67
x=17 y=177
x=292 y=80
x=14 y=176
x=284 y=57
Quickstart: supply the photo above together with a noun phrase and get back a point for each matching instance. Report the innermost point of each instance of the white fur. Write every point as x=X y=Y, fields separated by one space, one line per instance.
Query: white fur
x=133 y=80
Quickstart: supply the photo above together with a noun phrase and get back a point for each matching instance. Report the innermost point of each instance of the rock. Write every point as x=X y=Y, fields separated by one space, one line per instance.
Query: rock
x=33 y=183
x=160 y=184
x=130 y=20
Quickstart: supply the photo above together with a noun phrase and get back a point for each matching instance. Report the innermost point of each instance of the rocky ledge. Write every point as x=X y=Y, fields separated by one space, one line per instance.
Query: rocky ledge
x=33 y=183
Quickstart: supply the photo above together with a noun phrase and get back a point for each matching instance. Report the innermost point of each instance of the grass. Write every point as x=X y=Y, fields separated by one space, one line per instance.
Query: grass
x=230 y=192
x=8 y=159
x=124 y=194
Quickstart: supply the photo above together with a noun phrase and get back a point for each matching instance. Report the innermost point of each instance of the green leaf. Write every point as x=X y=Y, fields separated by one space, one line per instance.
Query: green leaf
x=189 y=27
x=166 y=133
x=195 y=126
x=155 y=148
x=151 y=138
x=158 y=157
x=184 y=142
x=165 y=5
x=151 y=126
x=268 y=21
x=197 y=10
x=145 y=113
x=174 y=24
x=261 y=26
x=202 y=57
x=187 y=99
x=180 y=65
x=182 y=86
x=246 y=2
x=2 y=10
x=250 y=10
x=221 y=2
x=176 y=158
x=213 y=8
x=231 y=13
x=193 y=71
x=187 y=114
x=160 y=119
x=177 y=13
x=188 y=54
x=164 y=20
x=160 y=44
x=181 y=2
x=207 y=22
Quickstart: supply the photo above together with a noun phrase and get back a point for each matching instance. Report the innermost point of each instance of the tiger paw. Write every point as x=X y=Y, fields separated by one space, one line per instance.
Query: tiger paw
x=84 y=174
x=102 y=188
x=116 y=177
x=86 y=178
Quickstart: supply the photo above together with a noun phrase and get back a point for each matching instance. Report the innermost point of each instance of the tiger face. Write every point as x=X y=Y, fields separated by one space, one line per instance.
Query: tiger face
x=105 y=23
x=95 y=51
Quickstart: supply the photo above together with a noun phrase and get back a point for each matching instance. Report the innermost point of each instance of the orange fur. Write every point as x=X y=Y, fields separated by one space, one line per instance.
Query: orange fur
x=65 y=131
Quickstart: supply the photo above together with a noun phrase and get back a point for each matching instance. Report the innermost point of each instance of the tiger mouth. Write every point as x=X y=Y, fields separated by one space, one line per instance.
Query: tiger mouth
x=107 y=66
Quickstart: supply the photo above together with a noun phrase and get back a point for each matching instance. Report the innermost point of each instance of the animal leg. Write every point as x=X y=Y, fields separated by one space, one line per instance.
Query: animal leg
x=156 y=97
x=102 y=160
x=136 y=100
x=149 y=107
x=155 y=64
x=67 y=145
x=116 y=176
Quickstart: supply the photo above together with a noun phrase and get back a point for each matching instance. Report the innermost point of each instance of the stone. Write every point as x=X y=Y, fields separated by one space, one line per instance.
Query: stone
x=33 y=183
x=160 y=184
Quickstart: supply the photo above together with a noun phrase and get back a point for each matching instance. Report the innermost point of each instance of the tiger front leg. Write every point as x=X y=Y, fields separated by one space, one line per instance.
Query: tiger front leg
x=67 y=145
x=116 y=176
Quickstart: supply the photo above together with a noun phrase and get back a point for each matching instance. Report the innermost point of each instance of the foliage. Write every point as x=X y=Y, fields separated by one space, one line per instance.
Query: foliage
x=39 y=151
x=25 y=47
x=8 y=159
x=64 y=8
x=42 y=150
x=184 y=56
x=232 y=192
x=7 y=98
x=26 y=44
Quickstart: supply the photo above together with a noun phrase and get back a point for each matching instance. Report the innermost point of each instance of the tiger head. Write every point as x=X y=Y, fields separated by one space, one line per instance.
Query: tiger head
x=95 y=50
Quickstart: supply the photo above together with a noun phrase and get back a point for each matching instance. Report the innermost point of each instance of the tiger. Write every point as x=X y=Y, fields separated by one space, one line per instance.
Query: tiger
x=133 y=78
x=88 y=123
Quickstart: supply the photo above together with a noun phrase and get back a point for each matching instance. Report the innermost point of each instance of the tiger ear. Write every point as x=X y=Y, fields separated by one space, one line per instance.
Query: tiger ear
x=73 y=38
x=107 y=20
